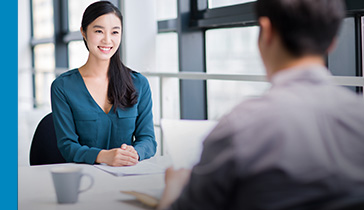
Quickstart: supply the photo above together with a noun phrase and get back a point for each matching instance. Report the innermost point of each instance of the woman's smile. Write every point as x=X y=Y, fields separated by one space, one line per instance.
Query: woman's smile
x=105 y=49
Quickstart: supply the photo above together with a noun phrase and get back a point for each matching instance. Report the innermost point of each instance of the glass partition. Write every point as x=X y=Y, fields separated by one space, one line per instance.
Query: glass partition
x=232 y=51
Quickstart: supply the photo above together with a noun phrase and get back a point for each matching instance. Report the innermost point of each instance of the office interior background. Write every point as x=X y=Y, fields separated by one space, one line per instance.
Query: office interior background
x=200 y=56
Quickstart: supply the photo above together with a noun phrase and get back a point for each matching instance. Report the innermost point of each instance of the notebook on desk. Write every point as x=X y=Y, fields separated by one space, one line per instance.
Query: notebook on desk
x=144 y=167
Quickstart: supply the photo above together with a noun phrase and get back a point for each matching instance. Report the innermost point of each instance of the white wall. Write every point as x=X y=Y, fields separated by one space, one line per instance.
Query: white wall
x=139 y=38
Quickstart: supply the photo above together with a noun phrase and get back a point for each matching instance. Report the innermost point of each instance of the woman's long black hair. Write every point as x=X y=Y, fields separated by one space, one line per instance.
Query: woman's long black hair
x=121 y=91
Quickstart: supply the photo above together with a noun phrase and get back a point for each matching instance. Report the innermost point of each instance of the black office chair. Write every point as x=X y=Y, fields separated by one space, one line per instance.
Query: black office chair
x=44 y=148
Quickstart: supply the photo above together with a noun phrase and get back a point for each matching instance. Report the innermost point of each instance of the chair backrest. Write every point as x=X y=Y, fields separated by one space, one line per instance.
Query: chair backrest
x=183 y=140
x=44 y=148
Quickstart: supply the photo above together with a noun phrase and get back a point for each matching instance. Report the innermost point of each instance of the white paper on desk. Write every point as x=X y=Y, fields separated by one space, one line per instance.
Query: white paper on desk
x=184 y=138
x=144 y=167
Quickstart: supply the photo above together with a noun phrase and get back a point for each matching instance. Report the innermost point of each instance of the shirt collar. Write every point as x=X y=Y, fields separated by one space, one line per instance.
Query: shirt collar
x=308 y=73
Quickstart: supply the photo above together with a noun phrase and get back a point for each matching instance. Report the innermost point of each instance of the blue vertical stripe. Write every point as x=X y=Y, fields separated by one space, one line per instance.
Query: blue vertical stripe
x=9 y=105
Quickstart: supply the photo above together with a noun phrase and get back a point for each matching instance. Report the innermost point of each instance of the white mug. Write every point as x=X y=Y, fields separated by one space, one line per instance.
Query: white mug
x=66 y=180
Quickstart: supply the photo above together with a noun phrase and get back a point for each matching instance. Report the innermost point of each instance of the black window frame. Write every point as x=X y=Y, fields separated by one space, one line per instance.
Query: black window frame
x=194 y=16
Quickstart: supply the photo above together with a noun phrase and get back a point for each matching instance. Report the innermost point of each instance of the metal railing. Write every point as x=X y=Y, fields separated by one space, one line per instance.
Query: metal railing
x=338 y=80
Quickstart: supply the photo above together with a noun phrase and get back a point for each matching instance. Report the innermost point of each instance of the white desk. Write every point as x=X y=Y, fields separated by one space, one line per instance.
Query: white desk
x=36 y=190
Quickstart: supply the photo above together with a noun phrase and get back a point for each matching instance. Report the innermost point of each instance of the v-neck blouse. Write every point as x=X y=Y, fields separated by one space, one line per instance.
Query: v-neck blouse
x=83 y=129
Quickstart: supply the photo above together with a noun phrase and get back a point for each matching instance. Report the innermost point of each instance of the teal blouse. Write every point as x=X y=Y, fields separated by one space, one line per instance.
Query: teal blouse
x=83 y=129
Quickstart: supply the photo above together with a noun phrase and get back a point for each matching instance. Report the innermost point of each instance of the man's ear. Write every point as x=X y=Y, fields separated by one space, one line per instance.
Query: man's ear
x=332 y=45
x=266 y=30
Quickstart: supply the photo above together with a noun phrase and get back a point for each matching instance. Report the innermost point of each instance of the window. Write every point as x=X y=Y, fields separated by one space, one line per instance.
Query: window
x=50 y=54
x=43 y=50
x=75 y=12
x=43 y=26
x=227 y=50
x=167 y=61
x=44 y=64
x=232 y=51
x=166 y=9
x=167 y=105
x=222 y=3
x=77 y=52
x=342 y=61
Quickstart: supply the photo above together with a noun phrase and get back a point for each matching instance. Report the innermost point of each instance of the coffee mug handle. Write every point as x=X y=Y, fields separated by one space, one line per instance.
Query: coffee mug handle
x=92 y=182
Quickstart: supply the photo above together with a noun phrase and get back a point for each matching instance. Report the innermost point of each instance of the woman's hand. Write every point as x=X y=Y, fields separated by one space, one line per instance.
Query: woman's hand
x=130 y=149
x=124 y=156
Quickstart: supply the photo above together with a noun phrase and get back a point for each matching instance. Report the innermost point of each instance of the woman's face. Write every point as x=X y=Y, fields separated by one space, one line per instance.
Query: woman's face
x=103 y=36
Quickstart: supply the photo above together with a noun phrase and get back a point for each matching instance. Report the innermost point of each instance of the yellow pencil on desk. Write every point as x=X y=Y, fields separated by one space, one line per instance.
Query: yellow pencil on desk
x=143 y=198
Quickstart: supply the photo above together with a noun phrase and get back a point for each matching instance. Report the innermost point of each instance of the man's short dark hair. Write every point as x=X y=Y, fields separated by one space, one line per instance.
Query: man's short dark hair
x=305 y=26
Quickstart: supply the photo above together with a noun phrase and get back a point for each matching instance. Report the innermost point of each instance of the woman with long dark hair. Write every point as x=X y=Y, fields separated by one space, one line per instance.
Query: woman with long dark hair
x=102 y=111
